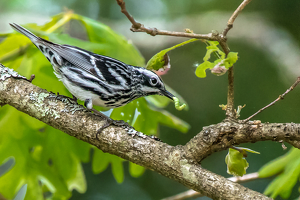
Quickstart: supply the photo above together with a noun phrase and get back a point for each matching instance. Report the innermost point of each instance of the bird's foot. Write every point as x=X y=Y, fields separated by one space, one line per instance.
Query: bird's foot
x=109 y=122
x=74 y=99
x=61 y=97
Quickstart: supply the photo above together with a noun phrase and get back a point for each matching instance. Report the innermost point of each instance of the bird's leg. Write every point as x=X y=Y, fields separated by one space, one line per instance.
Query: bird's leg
x=60 y=96
x=74 y=99
x=89 y=105
x=109 y=121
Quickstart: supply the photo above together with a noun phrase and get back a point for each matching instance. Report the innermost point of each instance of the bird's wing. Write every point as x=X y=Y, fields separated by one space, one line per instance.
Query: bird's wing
x=103 y=67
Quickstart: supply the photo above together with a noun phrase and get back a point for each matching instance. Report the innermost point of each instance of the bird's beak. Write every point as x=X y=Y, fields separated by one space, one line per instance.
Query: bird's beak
x=167 y=94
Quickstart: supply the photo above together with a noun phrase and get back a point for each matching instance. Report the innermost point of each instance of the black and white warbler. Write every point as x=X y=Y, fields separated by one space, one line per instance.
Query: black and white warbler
x=96 y=79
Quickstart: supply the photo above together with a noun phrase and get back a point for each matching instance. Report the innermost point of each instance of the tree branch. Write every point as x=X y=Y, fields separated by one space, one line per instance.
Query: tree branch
x=225 y=134
x=194 y=194
x=279 y=98
x=176 y=163
x=138 y=27
x=234 y=16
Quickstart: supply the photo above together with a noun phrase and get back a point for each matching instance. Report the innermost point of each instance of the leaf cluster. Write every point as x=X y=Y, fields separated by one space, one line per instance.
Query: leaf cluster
x=287 y=169
x=220 y=65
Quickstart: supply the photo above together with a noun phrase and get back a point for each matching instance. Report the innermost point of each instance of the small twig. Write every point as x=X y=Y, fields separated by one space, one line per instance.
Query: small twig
x=230 y=95
x=234 y=16
x=31 y=78
x=272 y=103
x=193 y=194
x=135 y=24
x=138 y=27
x=155 y=31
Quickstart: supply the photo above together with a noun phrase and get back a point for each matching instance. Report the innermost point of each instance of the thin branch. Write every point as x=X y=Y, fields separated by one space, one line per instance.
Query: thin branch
x=138 y=27
x=279 y=98
x=234 y=16
x=237 y=11
x=245 y=178
x=194 y=194
x=135 y=24
x=230 y=95
x=223 y=43
x=155 y=31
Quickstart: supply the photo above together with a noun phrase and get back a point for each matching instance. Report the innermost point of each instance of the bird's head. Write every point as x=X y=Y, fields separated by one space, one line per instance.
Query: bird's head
x=151 y=83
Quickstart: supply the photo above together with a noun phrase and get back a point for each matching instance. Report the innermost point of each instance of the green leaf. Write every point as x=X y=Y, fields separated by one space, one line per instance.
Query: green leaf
x=284 y=183
x=4 y=35
x=159 y=60
x=21 y=193
x=212 y=47
x=220 y=65
x=200 y=71
x=210 y=50
x=100 y=161
x=136 y=170
x=289 y=168
x=117 y=46
x=7 y=165
x=278 y=165
x=158 y=101
x=236 y=163
x=117 y=168
x=13 y=47
x=232 y=57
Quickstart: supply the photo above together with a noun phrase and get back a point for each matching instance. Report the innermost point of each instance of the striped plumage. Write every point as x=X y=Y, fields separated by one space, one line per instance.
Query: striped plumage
x=96 y=79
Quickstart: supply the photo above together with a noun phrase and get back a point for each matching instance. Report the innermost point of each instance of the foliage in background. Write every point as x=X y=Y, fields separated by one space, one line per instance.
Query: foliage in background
x=220 y=65
x=49 y=161
x=287 y=169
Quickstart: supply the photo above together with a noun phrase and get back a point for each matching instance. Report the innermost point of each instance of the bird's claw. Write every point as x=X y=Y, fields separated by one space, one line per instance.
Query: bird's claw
x=109 y=122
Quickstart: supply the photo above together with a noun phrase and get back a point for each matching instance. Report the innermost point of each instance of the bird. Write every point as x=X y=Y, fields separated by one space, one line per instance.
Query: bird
x=97 y=79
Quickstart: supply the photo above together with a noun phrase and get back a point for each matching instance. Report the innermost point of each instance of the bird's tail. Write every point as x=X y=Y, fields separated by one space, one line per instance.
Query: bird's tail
x=24 y=31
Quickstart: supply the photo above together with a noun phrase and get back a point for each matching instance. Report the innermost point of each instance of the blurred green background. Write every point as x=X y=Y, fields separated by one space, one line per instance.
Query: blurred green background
x=267 y=37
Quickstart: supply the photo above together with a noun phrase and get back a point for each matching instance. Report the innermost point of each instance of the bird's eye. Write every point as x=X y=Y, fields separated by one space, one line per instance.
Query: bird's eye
x=153 y=81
